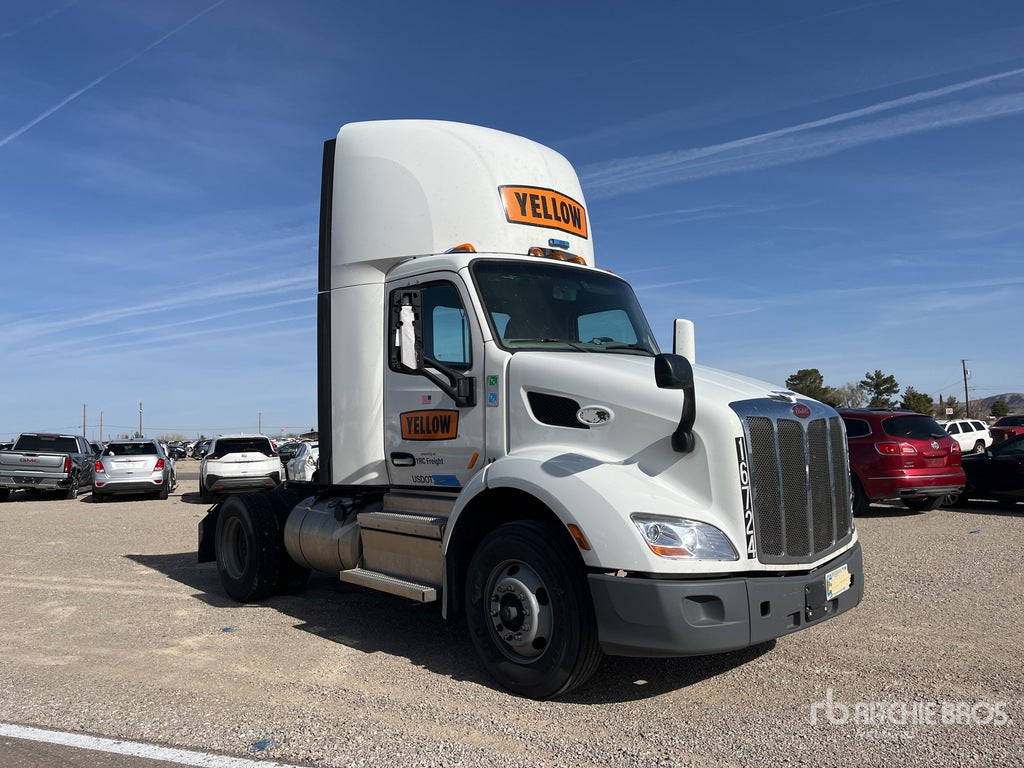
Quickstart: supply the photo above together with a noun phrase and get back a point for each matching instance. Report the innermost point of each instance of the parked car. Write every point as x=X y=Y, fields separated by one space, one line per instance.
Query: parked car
x=996 y=474
x=176 y=451
x=6 y=446
x=238 y=463
x=200 y=448
x=133 y=466
x=900 y=455
x=971 y=435
x=287 y=450
x=97 y=447
x=1007 y=427
x=304 y=464
x=47 y=462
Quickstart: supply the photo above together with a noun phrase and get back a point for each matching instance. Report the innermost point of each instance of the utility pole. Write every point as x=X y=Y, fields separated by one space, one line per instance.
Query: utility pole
x=259 y=428
x=83 y=418
x=101 y=426
x=140 y=418
x=967 y=398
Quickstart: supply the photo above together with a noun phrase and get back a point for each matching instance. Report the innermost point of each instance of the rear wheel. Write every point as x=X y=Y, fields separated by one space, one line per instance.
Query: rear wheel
x=861 y=502
x=249 y=545
x=164 y=491
x=529 y=610
x=72 y=491
x=979 y=447
x=923 y=503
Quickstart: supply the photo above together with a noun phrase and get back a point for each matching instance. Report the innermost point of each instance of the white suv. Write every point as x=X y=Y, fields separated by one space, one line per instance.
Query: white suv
x=238 y=463
x=973 y=436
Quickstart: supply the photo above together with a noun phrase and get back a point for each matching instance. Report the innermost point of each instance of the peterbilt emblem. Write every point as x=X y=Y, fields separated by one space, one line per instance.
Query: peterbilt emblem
x=801 y=411
x=594 y=415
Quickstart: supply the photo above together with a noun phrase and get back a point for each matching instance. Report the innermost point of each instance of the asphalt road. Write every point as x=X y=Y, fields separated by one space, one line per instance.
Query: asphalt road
x=111 y=628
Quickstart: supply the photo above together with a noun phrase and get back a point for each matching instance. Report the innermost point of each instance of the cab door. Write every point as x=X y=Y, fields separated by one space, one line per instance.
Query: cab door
x=434 y=414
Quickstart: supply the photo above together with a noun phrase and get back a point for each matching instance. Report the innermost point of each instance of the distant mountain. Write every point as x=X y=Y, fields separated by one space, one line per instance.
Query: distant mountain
x=1014 y=400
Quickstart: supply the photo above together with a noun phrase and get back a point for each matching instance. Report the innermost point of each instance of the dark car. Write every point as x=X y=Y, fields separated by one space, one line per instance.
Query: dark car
x=288 y=450
x=996 y=474
x=1007 y=427
x=900 y=455
x=176 y=451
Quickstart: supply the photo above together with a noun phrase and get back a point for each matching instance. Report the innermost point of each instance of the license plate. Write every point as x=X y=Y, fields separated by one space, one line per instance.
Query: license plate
x=28 y=480
x=837 y=581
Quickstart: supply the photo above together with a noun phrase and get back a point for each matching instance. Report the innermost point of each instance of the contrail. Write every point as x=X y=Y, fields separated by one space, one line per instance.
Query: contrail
x=104 y=76
x=37 y=20
x=612 y=177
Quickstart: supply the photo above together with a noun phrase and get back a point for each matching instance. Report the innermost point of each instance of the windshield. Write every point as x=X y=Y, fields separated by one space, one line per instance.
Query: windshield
x=552 y=306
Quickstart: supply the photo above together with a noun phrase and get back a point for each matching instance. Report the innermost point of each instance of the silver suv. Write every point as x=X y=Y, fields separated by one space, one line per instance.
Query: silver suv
x=238 y=463
x=972 y=435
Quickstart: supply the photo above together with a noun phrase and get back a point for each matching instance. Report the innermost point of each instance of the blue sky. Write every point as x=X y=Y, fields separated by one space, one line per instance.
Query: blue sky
x=831 y=185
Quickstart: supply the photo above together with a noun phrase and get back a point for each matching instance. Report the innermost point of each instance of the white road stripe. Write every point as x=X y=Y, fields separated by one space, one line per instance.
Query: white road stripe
x=134 y=749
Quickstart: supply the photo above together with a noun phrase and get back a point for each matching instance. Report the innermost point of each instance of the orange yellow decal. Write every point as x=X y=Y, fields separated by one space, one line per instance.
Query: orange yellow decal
x=430 y=425
x=541 y=207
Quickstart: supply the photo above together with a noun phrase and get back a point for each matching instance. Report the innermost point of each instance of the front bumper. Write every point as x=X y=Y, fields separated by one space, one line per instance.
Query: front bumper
x=661 y=617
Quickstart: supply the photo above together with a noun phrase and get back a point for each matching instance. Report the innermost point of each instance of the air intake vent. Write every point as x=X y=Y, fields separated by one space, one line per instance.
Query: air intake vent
x=555 y=410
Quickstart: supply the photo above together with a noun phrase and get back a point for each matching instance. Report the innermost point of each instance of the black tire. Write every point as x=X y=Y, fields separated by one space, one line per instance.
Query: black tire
x=5 y=494
x=72 y=491
x=923 y=503
x=954 y=499
x=204 y=495
x=861 y=502
x=979 y=447
x=249 y=545
x=164 y=491
x=526 y=580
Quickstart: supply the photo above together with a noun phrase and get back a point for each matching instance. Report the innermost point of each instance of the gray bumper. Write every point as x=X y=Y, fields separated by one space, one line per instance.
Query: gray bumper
x=657 y=617
x=35 y=482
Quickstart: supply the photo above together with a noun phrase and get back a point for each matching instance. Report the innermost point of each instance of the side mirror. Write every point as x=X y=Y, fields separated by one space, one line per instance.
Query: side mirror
x=675 y=372
x=406 y=347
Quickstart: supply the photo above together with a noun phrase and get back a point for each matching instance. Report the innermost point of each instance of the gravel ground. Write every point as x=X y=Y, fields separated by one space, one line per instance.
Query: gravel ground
x=110 y=627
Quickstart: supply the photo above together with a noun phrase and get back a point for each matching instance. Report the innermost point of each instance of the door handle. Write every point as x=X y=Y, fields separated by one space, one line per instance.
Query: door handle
x=403 y=459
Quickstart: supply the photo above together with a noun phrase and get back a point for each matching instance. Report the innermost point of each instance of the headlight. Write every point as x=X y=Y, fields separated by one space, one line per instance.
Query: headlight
x=677 y=537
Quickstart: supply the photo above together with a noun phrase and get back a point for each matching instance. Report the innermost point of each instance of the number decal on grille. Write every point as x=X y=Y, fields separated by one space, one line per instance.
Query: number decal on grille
x=745 y=493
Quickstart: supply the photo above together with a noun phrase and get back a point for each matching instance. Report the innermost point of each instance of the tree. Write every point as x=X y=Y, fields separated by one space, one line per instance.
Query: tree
x=1000 y=408
x=881 y=388
x=951 y=404
x=810 y=382
x=850 y=395
x=918 y=402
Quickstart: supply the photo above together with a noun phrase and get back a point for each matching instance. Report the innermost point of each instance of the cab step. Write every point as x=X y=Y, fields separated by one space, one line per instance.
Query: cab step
x=382 y=582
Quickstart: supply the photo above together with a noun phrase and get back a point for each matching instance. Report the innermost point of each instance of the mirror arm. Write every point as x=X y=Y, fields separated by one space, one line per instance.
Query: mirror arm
x=460 y=388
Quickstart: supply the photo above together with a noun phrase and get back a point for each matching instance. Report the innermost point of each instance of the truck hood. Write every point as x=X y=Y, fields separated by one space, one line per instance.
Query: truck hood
x=548 y=389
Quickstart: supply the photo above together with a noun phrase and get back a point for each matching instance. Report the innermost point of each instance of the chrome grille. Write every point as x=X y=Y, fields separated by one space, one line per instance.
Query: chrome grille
x=799 y=480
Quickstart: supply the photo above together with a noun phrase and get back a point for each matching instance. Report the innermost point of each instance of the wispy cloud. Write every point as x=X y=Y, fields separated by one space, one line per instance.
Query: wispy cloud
x=814 y=138
x=37 y=20
x=68 y=99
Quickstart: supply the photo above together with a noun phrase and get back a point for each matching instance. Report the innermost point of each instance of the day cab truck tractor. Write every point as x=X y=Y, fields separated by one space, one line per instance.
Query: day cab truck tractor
x=500 y=433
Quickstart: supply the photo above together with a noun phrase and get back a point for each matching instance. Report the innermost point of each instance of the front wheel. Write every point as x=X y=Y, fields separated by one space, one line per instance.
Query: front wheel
x=923 y=503
x=529 y=610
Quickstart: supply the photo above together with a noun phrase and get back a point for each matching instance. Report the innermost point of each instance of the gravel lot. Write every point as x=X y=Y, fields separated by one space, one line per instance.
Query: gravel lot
x=110 y=627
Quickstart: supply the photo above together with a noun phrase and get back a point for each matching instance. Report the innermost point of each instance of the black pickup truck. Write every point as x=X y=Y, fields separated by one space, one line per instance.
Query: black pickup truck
x=47 y=462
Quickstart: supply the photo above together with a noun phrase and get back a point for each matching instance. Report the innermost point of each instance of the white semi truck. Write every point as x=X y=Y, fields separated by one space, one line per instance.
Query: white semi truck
x=500 y=433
